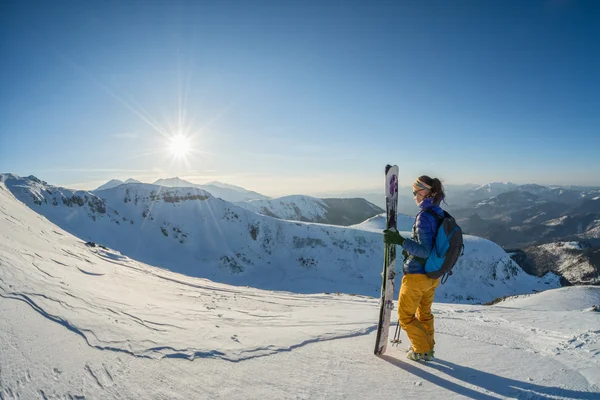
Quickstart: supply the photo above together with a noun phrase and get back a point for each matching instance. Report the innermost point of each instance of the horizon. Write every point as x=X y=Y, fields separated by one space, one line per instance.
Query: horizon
x=90 y=188
x=301 y=98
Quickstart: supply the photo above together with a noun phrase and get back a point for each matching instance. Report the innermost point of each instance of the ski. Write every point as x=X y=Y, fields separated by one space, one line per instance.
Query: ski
x=389 y=261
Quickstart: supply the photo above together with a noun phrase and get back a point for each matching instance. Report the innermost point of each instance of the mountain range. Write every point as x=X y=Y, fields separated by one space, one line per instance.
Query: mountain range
x=520 y=218
x=533 y=222
x=225 y=191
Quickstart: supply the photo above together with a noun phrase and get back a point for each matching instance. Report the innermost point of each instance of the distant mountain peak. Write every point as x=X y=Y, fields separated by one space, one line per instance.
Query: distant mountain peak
x=110 y=184
x=497 y=185
x=174 y=182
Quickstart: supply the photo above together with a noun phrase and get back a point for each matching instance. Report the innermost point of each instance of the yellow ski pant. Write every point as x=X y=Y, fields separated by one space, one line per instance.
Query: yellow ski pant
x=414 y=310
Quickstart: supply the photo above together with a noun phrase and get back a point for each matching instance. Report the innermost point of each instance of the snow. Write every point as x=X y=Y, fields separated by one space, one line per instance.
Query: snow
x=572 y=298
x=573 y=245
x=311 y=209
x=496 y=186
x=377 y=223
x=593 y=230
x=226 y=192
x=566 y=256
x=534 y=218
x=556 y=221
x=110 y=184
x=89 y=322
x=288 y=207
x=174 y=182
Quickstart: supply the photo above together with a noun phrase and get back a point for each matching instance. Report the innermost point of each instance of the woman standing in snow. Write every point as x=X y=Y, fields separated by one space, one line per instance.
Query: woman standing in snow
x=417 y=291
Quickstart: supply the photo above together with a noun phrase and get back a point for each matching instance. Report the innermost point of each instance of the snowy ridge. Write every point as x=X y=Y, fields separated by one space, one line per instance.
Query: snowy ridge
x=110 y=184
x=33 y=191
x=581 y=298
x=114 y=183
x=377 y=223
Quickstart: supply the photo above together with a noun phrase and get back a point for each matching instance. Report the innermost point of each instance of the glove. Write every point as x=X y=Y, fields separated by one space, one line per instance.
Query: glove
x=392 y=237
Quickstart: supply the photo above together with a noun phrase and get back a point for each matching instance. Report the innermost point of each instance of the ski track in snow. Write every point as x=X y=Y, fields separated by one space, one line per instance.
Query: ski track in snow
x=134 y=333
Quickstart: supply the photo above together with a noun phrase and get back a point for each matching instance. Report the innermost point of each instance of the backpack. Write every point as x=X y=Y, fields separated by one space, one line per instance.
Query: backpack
x=447 y=247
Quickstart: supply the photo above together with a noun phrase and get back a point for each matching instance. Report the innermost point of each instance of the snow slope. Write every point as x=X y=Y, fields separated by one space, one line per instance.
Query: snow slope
x=188 y=231
x=296 y=207
x=310 y=209
x=87 y=322
x=377 y=223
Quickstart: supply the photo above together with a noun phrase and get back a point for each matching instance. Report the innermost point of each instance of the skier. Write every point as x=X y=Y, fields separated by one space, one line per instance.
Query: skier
x=417 y=290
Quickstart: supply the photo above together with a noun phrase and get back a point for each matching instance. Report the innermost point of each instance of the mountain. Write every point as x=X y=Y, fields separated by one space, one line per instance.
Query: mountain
x=226 y=192
x=533 y=189
x=495 y=188
x=83 y=321
x=531 y=215
x=309 y=209
x=233 y=195
x=174 y=182
x=467 y=194
x=406 y=202
x=114 y=183
x=534 y=221
x=110 y=184
x=517 y=207
x=187 y=230
x=577 y=262
x=591 y=205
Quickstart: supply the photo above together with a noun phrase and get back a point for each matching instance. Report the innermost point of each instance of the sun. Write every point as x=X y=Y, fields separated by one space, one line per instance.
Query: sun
x=179 y=145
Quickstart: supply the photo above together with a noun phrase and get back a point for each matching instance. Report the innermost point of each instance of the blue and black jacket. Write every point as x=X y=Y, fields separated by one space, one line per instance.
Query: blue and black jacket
x=424 y=233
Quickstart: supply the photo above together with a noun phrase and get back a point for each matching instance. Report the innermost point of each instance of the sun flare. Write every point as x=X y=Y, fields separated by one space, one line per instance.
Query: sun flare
x=179 y=145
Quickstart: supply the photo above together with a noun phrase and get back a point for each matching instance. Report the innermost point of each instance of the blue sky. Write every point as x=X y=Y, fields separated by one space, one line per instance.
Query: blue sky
x=288 y=97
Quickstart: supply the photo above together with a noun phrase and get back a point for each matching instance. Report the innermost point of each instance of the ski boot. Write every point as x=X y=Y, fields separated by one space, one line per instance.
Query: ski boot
x=427 y=356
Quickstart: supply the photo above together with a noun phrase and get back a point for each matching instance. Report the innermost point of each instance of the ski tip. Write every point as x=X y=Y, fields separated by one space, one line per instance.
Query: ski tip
x=387 y=168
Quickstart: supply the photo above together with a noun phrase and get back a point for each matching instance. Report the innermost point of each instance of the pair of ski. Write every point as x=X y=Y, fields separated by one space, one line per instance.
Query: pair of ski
x=389 y=263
